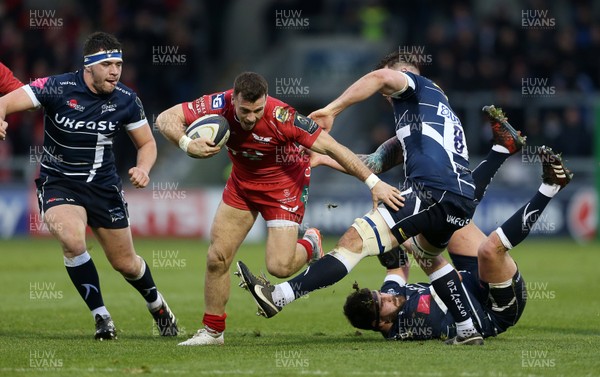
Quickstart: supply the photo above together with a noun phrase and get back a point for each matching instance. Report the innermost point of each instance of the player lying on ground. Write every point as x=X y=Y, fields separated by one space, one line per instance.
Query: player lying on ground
x=264 y=131
x=78 y=183
x=495 y=288
x=271 y=299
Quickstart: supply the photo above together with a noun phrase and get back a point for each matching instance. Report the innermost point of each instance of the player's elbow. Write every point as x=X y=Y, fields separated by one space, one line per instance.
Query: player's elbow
x=162 y=121
x=168 y=120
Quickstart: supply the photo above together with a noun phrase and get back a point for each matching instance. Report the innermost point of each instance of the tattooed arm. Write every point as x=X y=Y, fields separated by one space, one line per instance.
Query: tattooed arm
x=388 y=155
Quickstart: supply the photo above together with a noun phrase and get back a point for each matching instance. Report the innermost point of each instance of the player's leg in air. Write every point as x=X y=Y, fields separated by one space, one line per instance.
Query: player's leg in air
x=497 y=270
x=506 y=142
x=442 y=275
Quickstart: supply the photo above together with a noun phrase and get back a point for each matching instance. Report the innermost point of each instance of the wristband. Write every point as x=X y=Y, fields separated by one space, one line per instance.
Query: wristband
x=184 y=141
x=371 y=181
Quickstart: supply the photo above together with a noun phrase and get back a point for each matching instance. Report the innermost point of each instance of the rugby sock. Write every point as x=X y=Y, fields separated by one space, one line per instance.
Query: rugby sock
x=325 y=272
x=144 y=283
x=448 y=287
x=214 y=324
x=517 y=227
x=101 y=310
x=83 y=274
x=308 y=246
x=485 y=171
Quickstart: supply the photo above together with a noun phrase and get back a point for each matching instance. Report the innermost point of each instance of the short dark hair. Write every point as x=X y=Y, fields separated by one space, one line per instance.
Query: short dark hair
x=361 y=309
x=251 y=85
x=100 y=41
x=395 y=58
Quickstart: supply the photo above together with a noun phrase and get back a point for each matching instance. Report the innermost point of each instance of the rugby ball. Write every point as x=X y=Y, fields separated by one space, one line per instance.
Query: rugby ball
x=213 y=126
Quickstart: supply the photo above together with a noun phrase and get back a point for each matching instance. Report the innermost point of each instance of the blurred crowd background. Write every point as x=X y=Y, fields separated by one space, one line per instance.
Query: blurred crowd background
x=539 y=60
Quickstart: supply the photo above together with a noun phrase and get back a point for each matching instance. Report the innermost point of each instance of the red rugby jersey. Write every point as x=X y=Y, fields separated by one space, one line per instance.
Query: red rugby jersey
x=269 y=153
x=8 y=82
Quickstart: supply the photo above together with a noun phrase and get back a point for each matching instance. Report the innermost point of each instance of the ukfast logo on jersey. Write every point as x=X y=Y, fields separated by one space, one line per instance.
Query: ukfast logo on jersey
x=103 y=125
x=454 y=220
x=446 y=112
x=217 y=101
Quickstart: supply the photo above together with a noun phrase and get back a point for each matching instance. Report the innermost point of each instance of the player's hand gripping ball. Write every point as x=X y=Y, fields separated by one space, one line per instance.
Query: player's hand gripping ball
x=212 y=126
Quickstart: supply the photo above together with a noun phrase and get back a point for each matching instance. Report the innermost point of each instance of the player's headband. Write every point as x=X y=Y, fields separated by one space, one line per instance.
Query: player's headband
x=100 y=56
x=376 y=302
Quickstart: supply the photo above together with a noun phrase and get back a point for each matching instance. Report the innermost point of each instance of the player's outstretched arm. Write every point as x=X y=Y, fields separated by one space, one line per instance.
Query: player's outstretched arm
x=380 y=191
x=384 y=81
x=171 y=124
x=15 y=101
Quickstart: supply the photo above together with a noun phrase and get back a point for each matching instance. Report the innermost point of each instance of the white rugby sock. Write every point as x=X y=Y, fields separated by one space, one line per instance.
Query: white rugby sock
x=100 y=310
x=465 y=328
x=283 y=294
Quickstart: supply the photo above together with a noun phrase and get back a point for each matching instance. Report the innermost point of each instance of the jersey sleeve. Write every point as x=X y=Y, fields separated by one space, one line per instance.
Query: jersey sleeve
x=410 y=88
x=137 y=115
x=297 y=127
x=44 y=91
x=207 y=104
x=8 y=82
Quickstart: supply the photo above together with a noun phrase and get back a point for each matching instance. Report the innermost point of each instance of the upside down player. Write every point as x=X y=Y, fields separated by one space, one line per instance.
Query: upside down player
x=439 y=192
x=270 y=176
x=78 y=183
x=496 y=290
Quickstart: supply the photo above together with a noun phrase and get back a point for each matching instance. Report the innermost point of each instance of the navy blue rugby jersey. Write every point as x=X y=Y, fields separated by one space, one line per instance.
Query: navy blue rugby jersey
x=424 y=315
x=434 y=143
x=79 y=126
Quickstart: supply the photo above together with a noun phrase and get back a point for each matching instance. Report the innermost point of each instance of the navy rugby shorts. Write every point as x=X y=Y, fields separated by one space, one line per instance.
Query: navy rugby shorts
x=434 y=213
x=105 y=205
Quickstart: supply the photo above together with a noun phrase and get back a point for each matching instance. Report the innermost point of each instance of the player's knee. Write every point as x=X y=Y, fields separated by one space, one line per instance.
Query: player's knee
x=489 y=251
x=72 y=244
x=128 y=267
x=73 y=250
x=217 y=261
x=280 y=270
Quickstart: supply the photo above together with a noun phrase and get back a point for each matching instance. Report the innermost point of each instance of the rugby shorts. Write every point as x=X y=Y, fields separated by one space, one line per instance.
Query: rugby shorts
x=105 y=206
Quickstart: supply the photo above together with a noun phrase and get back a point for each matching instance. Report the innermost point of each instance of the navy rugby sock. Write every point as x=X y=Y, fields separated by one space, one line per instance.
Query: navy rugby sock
x=325 y=272
x=144 y=283
x=485 y=171
x=83 y=274
x=518 y=226
x=448 y=287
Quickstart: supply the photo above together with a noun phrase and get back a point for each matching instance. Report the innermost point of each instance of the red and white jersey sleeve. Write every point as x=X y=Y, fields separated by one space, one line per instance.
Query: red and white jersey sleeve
x=215 y=103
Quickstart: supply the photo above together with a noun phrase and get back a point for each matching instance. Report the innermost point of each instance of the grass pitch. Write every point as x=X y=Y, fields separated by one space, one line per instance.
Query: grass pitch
x=46 y=330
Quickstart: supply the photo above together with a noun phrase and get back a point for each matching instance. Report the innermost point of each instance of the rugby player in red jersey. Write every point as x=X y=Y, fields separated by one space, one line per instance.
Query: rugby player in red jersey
x=270 y=177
